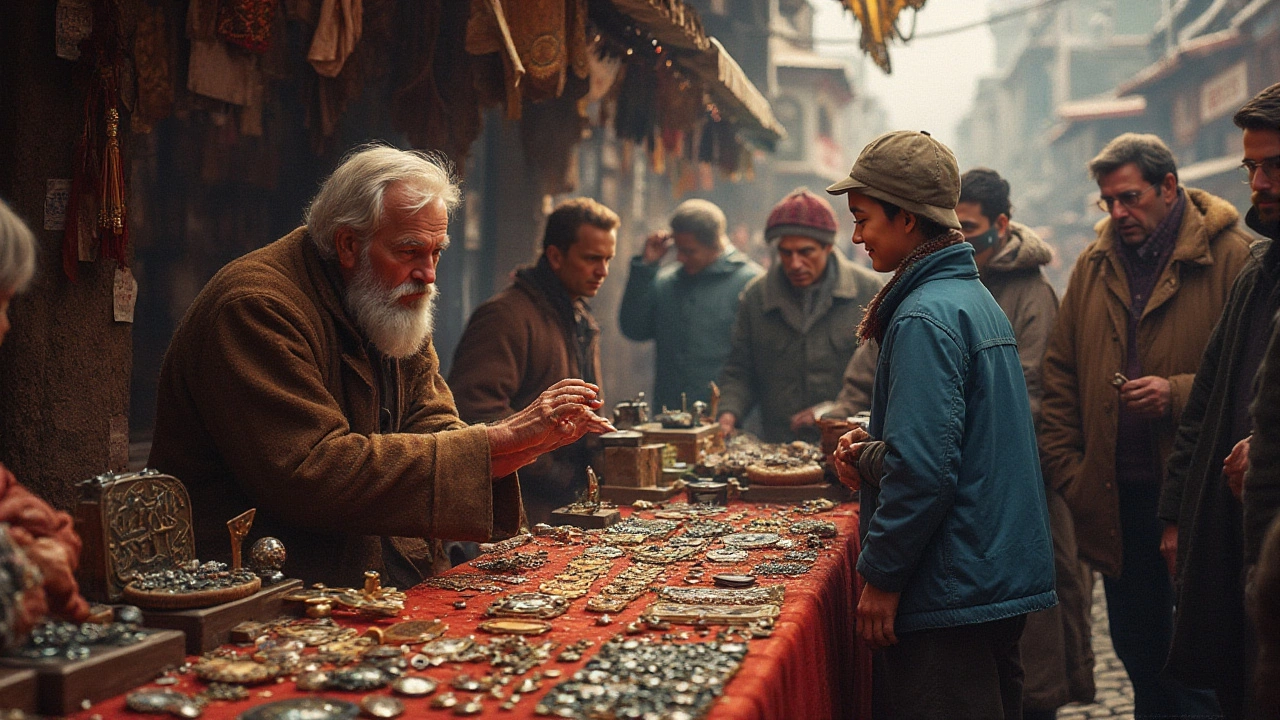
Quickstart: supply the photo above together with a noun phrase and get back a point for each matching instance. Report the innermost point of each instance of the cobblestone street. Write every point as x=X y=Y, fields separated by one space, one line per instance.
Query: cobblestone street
x=1115 y=693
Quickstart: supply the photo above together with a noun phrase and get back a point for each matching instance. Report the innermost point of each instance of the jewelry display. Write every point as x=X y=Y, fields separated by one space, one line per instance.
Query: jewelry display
x=512 y=563
x=816 y=505
x=412 y=632
x=685 y=511
x=381 y=706
x=640 y=526
x=578 y=576
x=223 y=692
x=515 y=656
x=563 y=534
x=358 y=678
x=505 y=546
x=608 y=552
x=663 y=554
x=542 y=606
x=781 y=568
x=670 y=612
x=726 y=555
x=707 y=528
x=772 y=525
x=821 y=528
x=628 y=585
x=266 y=558
x=751 y=540
x=169 y=702
x=413 y=686
x=513 y=626
x=304 y=708
x=444 y=700
x=642 y=678
x=372 y=599
x=762 y=595
x=73 y=641
x=193 y=584
x=803 y=556
x=234 y=670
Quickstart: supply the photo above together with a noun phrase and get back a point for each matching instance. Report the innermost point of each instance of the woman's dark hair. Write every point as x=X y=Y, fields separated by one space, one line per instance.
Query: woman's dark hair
x=928 y=228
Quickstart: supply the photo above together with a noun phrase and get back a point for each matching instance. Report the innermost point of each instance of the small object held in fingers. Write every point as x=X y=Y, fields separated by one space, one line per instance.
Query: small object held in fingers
x=1118 y=380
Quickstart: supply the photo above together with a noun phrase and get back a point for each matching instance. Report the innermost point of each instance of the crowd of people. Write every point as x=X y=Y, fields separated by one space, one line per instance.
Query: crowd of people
x=1016 y=445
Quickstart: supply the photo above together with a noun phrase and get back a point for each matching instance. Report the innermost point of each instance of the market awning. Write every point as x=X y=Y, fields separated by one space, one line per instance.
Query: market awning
x=679 y=28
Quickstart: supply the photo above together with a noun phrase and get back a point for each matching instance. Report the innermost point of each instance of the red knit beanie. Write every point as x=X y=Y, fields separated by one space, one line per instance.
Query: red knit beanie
x=802 y=213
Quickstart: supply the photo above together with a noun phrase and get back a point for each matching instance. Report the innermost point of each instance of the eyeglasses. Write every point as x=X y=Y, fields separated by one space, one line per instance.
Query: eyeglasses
x=1269 y=167
x=1128 y=199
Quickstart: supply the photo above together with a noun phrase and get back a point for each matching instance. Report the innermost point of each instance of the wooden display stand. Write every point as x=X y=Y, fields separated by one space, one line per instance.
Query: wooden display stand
x=62 y=685
x=628 y=495
x=795 y=493
x=207 y=628
x=690 y=443
x=587 y=521
x=634 y=467
x=18 y=690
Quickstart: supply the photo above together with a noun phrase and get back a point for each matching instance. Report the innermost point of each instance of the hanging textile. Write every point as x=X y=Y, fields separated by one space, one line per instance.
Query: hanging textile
x=878 y=19
x=337 y=32
x=96 y=210
x=152 y=60
x=538 y=40
x=247 y=23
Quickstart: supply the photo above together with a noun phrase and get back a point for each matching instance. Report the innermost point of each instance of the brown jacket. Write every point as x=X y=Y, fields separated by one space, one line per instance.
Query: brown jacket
x=516 y=345
x=270 y=398
x=1087 y=348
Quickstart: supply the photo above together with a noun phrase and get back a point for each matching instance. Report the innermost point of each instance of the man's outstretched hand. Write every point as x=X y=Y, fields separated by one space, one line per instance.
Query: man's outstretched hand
x=562 y=414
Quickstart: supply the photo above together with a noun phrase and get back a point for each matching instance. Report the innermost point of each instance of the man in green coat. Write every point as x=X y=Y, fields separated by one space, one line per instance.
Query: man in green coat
x=687 y=308
x=797 y=324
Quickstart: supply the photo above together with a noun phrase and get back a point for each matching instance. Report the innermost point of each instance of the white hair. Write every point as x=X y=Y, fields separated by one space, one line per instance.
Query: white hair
x=353 y=195
x=17 y=252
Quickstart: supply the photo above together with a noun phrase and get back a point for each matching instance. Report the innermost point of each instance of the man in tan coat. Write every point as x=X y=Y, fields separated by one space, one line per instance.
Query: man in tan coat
x=303 y=382
x=535 y=333
x=1139 y=308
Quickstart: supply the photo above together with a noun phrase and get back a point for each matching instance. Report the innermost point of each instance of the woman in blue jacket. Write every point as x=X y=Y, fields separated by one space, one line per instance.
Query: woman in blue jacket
x=955 y=530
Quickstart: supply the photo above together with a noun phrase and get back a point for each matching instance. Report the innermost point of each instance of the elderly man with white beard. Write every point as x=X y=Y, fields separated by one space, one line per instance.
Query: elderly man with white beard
x=303 y=382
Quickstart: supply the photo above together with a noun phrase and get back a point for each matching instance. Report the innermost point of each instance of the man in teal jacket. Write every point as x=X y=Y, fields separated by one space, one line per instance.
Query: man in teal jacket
x=956 y=547
x=687 y=308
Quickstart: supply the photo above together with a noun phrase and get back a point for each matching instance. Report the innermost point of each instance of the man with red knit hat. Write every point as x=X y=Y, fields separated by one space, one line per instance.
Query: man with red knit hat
x=797 y=324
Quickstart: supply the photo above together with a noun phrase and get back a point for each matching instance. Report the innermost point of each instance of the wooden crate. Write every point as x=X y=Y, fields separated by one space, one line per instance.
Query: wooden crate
x=633 y=467
x=63 y=685
x=18 y=690
x=690 y=443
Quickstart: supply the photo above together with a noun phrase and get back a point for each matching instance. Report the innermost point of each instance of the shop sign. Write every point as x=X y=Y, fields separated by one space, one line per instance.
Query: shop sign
x=1225 y=92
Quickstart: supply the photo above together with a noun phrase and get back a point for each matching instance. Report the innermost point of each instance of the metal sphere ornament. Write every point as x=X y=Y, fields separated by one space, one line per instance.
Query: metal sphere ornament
x=267 y=557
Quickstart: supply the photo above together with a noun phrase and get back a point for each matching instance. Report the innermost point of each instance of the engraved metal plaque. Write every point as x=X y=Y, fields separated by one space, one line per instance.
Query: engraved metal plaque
x=131 y=523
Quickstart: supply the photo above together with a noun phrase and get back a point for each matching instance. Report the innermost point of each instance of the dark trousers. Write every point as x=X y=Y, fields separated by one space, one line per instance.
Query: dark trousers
x=971 y=671
x=1140 y=610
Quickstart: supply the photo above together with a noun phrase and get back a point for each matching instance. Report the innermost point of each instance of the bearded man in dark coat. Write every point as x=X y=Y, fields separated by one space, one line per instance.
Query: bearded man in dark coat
x=1200 y=499
x=303 y=382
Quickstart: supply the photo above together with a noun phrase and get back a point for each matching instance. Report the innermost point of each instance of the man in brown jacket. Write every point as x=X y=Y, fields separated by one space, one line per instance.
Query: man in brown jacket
x=535 y=333
x=1139 y=308
x=303 y=382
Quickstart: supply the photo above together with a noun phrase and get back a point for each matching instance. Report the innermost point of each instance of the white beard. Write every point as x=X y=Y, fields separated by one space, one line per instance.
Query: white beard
x=396 y=330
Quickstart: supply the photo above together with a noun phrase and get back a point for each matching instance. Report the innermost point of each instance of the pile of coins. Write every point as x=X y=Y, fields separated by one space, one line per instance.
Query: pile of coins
x=192 y=577
x=72 y=641
x=642 y=677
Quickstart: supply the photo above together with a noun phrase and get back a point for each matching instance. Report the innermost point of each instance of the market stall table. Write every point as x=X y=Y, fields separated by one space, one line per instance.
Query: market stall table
x=812 y=666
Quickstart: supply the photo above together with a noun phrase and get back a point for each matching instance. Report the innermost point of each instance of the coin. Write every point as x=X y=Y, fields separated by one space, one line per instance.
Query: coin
x=414 y=686
x=411 y=632
x=381 y=706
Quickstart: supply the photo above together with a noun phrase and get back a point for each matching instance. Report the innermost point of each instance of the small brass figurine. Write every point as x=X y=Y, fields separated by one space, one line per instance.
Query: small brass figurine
x=593 y=487
x=239 y=528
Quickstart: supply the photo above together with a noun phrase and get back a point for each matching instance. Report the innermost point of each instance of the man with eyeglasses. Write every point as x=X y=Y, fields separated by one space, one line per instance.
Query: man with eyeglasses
x=1139 y=308
x=1201 y=501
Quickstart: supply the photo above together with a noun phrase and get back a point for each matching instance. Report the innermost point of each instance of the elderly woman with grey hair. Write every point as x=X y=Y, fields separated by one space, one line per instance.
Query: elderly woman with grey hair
x=39 y=549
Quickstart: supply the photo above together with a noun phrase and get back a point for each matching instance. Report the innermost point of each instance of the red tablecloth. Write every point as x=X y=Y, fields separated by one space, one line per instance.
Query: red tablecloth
x=812 y=666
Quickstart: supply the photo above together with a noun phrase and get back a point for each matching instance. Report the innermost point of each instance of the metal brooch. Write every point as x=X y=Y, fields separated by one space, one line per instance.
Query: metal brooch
x=749 y=540
x=543 y=606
